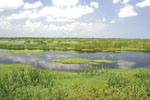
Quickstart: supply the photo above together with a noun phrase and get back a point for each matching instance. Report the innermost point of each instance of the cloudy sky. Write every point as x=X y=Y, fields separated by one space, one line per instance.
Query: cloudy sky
x=75 y=18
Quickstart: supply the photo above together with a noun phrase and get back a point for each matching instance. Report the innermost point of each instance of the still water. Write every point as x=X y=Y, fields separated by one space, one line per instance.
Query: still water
x=45 y=60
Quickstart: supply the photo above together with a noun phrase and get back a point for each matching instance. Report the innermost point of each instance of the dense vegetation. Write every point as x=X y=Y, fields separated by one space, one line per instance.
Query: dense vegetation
x=82 y=45
x=23 y=82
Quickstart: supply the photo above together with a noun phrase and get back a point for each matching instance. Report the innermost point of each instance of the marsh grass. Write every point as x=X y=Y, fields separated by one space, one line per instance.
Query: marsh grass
x=22 y=82
x=93 y=70
x=80 y=45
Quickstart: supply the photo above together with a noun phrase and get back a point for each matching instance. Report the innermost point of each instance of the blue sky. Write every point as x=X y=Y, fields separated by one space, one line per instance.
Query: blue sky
x=75 y=18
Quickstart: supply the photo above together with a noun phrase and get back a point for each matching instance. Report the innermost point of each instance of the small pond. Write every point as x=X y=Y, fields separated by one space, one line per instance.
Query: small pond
x=45 y=60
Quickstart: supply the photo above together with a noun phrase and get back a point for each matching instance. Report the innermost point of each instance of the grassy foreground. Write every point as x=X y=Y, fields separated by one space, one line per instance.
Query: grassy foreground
x=23 y=82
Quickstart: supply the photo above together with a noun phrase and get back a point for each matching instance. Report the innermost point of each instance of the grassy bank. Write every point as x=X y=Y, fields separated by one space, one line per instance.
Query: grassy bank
x=24 y=82
x=81 y=45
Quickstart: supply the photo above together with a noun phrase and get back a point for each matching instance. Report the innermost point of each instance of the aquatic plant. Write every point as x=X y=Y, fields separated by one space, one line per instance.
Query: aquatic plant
x=73 y=61
x=82 y=61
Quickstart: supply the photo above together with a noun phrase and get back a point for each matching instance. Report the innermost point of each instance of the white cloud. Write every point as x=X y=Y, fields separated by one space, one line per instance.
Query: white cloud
x=37 y=28
x=32 y=6
x=65 y=3
x=143 y=4
x=4 y=24
x=9 y=4
x=125 y=1
x=127 y=11
x=115 y=1
x=58 y=14
x=66 y=12
x=49 y=19
x=24 y=14
x=94 y=4
x=103 y=20
x=20 y=15
x=112 y=21
x=1 y=10
x=77 y=29
x=69 y=12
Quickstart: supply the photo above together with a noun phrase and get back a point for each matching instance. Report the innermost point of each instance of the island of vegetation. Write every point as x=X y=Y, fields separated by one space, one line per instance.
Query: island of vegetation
x=83 y=61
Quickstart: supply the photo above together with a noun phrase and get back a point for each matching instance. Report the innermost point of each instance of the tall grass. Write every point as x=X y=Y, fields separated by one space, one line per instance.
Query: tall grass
x=22 y=85
x=93 y=70
x=136 y=87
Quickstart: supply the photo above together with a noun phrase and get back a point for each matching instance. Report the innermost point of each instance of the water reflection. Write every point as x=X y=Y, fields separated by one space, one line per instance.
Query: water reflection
x=45 y=60
x=123 y=64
